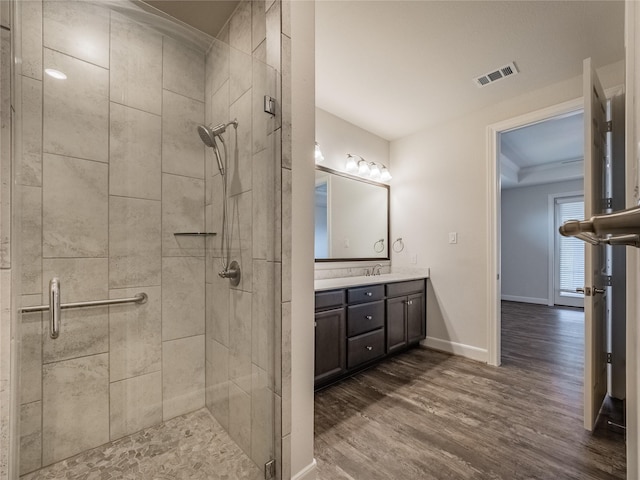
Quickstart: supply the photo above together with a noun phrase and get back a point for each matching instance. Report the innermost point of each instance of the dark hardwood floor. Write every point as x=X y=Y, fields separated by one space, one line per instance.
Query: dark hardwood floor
x=428 y=415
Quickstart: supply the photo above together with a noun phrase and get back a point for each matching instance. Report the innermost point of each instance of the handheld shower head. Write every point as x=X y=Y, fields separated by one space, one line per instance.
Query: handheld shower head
x=207 y=136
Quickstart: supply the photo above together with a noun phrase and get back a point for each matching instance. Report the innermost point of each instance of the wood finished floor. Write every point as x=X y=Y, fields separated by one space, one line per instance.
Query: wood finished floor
x=428 y=415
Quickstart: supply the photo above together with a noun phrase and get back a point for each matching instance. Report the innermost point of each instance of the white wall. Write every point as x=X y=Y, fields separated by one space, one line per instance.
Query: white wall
x=525 y=240
x=440 y=186
x=338 y=137
x=301 y=263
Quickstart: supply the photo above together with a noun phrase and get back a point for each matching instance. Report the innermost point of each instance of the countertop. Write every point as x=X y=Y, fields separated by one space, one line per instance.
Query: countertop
x=345 y=282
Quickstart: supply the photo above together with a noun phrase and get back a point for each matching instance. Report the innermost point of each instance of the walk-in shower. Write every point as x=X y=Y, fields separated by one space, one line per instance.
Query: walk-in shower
x=186 y=384
x=209 y=135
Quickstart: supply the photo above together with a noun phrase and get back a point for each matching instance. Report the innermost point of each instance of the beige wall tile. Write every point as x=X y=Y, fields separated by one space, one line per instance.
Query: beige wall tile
x=31 y=352
x=76 y=110
x=83 y=331
x=286 y=101
x=286 y=235
x=32 y=39
x=218 y=309
x=78 y=29
x=258 y=24
x=240 y=160
x=135 y=340
x=182 y=297
x=263 y=205
x=264 y=83
x=183 y=69
x=30 y=437
x=31 y=240
x=136 y=65
x=273 y=35
x=182 y=148
x=75 y=406
x=135 y=254
x=217 y=67
x=240 y=339
x=182 y=211
x=30 y=169
x=75 y=207
x=135 y=403
x=240 y=417
x=218 y=383
x=262 y=316
x=135 y=157
x=286 y=368
x=240 y=68
x=262 y=417
x=183 y=382
x=5 y=150
x=240 y=28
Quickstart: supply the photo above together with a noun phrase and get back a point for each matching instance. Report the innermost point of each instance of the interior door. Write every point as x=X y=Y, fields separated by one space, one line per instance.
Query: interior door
x=595 y=360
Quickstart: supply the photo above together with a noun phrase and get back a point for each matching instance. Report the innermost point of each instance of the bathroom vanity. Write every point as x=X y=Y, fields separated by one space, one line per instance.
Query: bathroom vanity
x=361 y=320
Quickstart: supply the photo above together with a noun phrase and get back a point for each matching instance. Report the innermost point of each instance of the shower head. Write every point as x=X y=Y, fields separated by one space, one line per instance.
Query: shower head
x=207 y=136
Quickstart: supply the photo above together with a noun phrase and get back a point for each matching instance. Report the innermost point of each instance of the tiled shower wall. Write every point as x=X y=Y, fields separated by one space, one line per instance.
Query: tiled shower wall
x=112 y=168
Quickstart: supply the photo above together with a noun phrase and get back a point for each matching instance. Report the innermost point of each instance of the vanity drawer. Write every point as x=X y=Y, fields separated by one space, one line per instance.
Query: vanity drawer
x=365 y=294
x=404 y=288
x=333 y=298
x=364 y=348
x=364 y=318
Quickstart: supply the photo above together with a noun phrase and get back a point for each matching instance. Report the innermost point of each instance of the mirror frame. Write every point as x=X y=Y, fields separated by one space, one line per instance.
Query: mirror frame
x=371 y=182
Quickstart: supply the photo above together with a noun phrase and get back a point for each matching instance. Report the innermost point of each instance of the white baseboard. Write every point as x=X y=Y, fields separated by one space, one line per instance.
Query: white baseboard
x=538 y=301
x=307 y=473
x=468 y=351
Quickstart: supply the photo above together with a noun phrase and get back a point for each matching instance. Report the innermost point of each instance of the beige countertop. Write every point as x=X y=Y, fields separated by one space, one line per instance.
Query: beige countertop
x=345 y=282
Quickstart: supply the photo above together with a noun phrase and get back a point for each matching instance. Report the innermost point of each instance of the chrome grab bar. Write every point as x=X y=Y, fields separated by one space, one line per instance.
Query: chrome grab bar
x=55 y=306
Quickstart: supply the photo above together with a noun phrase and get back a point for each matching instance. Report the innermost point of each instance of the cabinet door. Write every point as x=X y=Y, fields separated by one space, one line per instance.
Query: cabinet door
x=396 y=325
x=415 y=318
x=330 y=342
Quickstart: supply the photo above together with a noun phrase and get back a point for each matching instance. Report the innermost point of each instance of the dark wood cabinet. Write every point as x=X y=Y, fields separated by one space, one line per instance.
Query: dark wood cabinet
x=330 y=354
x=358 y=326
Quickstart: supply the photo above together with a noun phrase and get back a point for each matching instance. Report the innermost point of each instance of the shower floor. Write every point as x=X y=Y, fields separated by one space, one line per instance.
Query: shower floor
x=189 y=447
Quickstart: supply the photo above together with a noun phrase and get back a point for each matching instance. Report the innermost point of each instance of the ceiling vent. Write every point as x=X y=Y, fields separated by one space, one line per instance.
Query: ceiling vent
x=491 y=77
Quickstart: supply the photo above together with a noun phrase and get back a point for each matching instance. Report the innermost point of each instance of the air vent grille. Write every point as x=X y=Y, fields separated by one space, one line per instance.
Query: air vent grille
x=491 y=77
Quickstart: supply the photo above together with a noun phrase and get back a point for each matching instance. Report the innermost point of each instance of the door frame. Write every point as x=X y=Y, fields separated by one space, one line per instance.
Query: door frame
x=494 y=213
x=552 y=247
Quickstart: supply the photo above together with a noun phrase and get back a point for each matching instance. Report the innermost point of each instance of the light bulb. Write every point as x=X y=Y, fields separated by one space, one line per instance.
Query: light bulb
x=351 y=164
x=317 y=154
x=375 y=170
x=363 y=168
x=385 y=176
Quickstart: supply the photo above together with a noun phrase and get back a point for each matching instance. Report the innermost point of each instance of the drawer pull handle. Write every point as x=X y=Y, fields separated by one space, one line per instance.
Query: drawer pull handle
x=369 y=294
x=369 y=348
x=368 y=317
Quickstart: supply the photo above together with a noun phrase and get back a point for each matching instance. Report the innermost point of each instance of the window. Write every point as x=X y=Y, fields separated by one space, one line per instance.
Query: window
x=570 y=253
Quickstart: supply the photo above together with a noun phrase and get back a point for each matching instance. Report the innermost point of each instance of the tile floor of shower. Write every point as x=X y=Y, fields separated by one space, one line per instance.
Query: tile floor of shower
x=189 y=447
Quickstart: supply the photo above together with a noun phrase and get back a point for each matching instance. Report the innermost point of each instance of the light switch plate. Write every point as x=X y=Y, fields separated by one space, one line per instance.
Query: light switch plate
x=453 y=237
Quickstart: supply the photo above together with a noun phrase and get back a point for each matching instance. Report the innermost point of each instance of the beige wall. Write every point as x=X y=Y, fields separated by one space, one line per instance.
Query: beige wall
x=440 y=180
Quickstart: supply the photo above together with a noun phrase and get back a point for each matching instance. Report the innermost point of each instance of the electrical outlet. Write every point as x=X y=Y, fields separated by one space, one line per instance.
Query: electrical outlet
x=453 y=237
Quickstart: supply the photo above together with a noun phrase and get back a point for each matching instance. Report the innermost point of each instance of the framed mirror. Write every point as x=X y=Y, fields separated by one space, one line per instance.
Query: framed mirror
x=351 y=218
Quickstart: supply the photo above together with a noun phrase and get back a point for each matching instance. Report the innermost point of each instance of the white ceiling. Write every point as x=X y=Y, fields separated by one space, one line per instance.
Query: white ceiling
x=394 y=67
x=207 y=16
x=544 y=152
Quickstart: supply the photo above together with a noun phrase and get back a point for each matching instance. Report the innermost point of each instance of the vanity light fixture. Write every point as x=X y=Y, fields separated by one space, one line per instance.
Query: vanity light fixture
x=363 y=168
x=374 y=170
x=385 y=176
x=351 y=164
x=317 y=154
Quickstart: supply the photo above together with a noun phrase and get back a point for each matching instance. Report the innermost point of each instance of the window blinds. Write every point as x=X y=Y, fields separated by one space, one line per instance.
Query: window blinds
x=571 y=249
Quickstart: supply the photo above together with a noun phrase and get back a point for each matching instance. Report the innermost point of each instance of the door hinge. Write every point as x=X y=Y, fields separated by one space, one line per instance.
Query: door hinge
x=609 y=126
x=608 y=357
x=269 y=105
x=607 y=202
x=270 y=470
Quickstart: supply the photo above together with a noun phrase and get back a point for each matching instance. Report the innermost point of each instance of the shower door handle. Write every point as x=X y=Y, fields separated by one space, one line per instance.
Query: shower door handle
x=54 y=307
